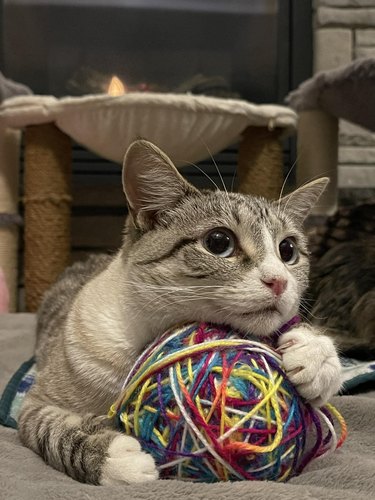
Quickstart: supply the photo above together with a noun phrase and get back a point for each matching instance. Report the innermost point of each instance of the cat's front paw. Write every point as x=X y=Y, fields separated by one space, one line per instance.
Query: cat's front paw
x=311 y=364
x=127 y=463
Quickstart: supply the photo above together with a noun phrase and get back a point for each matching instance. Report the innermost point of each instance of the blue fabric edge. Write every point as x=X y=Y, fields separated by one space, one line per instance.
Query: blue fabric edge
x=355 y=382
x=10 y=392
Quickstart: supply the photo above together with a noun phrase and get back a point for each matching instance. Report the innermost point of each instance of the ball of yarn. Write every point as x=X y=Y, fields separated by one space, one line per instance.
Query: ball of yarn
x=209 y=405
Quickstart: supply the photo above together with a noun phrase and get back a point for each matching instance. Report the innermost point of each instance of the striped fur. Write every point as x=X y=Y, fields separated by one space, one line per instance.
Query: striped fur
x=99 y=316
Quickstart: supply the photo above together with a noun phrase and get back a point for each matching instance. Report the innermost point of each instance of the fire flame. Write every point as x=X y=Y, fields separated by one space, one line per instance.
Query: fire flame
x=116 y=87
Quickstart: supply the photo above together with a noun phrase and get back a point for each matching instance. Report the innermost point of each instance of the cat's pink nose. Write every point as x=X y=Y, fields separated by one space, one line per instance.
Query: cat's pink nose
x=277 y=285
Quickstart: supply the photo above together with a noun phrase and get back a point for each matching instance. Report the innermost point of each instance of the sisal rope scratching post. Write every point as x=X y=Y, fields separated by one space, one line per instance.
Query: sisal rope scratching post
x=260 y=162
x=47 y=189
x=9 y=175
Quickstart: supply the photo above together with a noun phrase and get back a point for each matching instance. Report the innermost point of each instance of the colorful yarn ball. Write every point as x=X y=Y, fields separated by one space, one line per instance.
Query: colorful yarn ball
x=209 y=405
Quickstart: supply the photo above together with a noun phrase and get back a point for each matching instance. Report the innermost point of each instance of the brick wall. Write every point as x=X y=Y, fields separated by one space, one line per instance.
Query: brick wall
x=344 y=30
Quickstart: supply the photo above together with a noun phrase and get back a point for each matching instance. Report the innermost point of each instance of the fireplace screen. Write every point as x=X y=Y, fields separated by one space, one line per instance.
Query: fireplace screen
x=257 y=50
x=226 y=48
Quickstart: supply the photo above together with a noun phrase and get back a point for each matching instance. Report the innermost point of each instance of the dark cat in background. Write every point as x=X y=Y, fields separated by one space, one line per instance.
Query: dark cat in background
x=341 y=296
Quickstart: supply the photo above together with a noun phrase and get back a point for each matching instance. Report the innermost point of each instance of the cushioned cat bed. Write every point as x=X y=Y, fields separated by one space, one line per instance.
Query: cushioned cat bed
x=188 y=128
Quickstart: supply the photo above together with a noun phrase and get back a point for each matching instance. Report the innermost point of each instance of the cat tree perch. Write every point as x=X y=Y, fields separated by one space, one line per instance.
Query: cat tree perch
x=347 y=92
x=189 y=128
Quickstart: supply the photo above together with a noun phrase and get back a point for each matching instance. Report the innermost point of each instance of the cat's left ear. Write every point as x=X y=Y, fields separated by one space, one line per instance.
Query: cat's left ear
x=151 y=183
x=300 y=202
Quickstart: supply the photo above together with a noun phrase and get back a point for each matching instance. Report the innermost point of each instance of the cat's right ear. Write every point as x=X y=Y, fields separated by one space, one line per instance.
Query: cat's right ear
x=151 y=183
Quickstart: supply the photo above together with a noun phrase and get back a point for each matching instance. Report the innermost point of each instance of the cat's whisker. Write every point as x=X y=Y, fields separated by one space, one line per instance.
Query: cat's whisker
x=159 y=303
x=181 y=300
x=233 y=179
x=160 y=299
x=219 y=173
x=310 y=314
x=175 y=290
x=308 y=300
x=304 y=306
x=204 y=173
x=143 y=286
x=284 y=184
x=216 y=166
x=170 y=287
x=304 y=317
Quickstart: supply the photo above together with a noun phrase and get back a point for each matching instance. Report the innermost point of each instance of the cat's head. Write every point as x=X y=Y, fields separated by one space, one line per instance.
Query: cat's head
x=210 y=255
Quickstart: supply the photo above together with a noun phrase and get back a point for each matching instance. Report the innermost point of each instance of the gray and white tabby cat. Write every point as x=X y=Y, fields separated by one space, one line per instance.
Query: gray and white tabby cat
x=187 y=256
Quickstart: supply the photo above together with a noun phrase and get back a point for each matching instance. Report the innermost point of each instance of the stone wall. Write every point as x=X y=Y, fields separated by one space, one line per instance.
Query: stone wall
x=344 y=30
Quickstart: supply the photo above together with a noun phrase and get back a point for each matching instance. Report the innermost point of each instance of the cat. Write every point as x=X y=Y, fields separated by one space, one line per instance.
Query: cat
x=187 y=255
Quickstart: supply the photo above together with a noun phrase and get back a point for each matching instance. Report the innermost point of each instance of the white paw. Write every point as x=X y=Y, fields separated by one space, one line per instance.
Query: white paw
x=127 y=463
x=311 y=363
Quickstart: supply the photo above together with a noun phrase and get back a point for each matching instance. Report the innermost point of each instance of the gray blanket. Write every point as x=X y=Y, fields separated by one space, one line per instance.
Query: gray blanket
x=347 y=474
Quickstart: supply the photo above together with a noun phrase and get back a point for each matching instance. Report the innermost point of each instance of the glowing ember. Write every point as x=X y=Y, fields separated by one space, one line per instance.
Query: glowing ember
x=116 y=87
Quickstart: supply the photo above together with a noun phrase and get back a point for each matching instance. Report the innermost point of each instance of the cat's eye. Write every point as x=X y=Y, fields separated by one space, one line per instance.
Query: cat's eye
x=220 y=242
x=288 y=251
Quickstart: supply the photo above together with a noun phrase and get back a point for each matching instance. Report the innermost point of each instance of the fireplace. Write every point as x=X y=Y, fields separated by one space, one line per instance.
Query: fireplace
x=254 y=49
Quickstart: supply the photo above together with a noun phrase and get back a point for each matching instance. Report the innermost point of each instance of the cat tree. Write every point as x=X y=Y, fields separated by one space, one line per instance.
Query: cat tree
x=347 y=92
x=189 y=128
